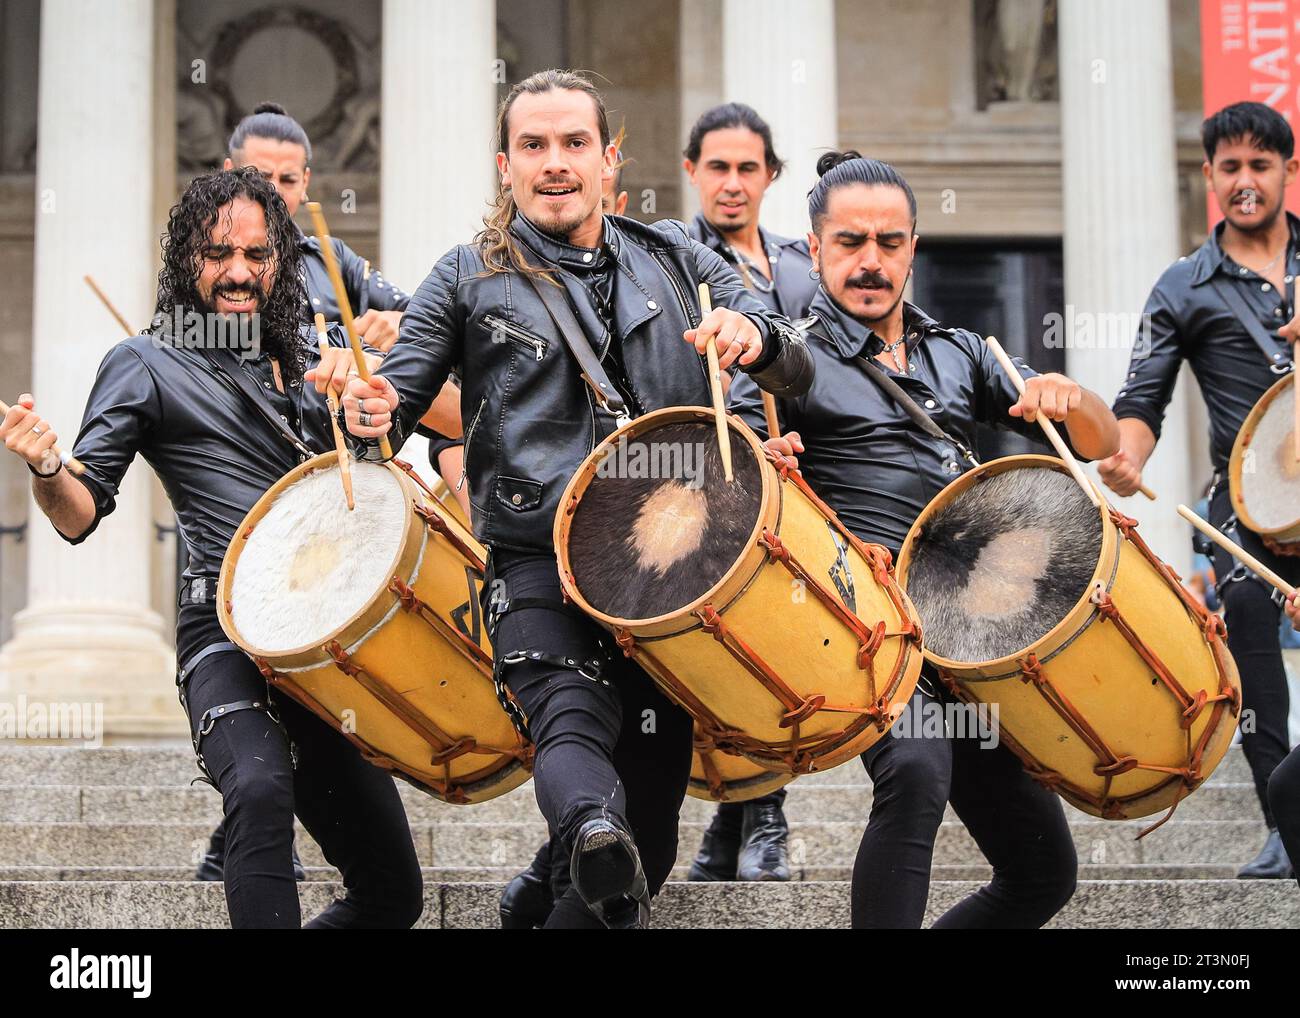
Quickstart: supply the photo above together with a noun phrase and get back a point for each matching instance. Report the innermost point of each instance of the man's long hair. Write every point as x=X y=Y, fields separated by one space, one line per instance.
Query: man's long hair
x=500 y=250
x=189 y=229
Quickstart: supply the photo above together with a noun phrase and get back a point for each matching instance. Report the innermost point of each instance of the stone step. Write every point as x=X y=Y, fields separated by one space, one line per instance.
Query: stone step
x=1136 y=904
x=201 y=804
x=812 y=843
x=502 y=874
x=127 y=766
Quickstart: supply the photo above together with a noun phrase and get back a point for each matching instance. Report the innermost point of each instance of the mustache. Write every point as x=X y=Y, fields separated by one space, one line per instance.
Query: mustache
x=253 y=286
x=865 y=279
x=558 y=182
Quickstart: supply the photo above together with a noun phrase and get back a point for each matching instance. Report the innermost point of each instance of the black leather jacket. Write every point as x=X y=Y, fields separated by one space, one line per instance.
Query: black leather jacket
x=792 y=286
x=529 y=418
x=365 y=292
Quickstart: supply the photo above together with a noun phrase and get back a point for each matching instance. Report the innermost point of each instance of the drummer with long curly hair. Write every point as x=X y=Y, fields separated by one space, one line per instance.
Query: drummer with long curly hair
x=213 y=398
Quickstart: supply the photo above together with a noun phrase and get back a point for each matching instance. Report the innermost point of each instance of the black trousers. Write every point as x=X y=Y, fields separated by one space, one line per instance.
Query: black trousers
x=1254 y=625
x=1284 y=798
x=350 y=807
x=608 y=742
x=1019 y=826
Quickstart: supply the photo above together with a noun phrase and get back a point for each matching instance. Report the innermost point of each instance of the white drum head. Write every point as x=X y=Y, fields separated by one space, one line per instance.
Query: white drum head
x=310 y=564
x=1270 y=475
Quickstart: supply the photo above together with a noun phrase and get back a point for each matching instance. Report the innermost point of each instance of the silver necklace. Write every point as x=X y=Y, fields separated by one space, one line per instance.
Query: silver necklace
x=891 y=347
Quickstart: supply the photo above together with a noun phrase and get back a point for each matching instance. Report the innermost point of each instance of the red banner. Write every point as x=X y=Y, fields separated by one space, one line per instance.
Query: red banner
x=1249 y=53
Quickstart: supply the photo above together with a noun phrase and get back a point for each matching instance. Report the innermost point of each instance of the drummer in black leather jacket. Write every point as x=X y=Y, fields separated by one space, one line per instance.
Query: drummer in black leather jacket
x=613 y=753
x=731 y=161
x=219 y=430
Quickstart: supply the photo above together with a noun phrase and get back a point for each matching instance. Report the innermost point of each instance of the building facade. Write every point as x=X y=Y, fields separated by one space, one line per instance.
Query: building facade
x=1052 y=145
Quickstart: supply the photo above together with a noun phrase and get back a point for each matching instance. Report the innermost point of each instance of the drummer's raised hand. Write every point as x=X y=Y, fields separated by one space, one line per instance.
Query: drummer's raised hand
x=29 y=436
x=1052 y=395
x=787 y=445
x=368 y=406
x=737 y=337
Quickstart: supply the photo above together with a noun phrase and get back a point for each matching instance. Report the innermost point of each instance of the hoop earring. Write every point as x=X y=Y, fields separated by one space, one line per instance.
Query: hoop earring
x=814 y=274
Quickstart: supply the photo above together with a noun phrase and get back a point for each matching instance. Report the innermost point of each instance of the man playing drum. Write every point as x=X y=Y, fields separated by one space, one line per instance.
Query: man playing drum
x=613 y=753
x=218 y=433
x=1223 y=309
x=1284 y=782
x=731 y=161
x=878 y=469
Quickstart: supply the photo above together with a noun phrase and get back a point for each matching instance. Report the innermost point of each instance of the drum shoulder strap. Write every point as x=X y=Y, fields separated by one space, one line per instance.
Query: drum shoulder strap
x=1270 y=347
x=239 y=380
x=576 y=340
x=895 y=392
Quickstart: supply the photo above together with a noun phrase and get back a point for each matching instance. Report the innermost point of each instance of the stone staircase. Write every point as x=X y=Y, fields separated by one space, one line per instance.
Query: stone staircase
x=109 y=838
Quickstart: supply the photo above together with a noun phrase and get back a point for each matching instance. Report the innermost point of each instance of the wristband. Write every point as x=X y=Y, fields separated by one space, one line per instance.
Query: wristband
x=46 y=477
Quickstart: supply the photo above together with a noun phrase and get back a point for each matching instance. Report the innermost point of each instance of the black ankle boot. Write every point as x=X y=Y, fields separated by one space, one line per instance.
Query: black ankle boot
x=527 y=902
x=763 y=839
x=720 y=847
x=606 y=871
x=1272 y=862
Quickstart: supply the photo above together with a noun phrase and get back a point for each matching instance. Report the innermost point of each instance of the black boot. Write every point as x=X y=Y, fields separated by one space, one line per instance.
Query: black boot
x=763 y=839
x=606 y=871
x=1272 y=862
x=213 y=864
x=526 y=902
x=720 y=846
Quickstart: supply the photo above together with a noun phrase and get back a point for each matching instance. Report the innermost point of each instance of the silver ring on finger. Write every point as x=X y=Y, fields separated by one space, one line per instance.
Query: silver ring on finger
x=36 y=430
x=363 y=418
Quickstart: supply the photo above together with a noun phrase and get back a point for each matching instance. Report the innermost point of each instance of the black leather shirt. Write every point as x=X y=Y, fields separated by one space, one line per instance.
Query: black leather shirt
x=365 y=293
x=214 y=455
x=791 y=288
x=529 y=418
x=864 y=456
x=1190 y=321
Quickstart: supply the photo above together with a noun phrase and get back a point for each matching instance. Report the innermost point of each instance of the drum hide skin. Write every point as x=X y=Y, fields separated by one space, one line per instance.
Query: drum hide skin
x=643 y=546
x=1264 y=472
x=301 y=575
x=999 y=566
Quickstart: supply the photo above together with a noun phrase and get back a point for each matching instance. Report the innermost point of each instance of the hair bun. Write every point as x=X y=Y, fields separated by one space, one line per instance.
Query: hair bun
x=269 y=107
x=830 y=160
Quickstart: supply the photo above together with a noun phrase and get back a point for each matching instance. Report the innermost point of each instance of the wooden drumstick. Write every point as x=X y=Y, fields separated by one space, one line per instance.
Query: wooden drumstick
x=341 y=298
x=340 y=446
x=769 y=411
x=68 y=460
x=1236 y=551
x=1295 y=393
x=715 y=380
x=103 y=297
x=1049 y=429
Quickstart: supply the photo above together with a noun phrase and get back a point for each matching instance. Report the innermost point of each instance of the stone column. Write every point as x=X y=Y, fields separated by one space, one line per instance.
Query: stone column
x=779 y=57
x=1120 y=189
x=88 y=634
x=699 y=77
x=437 y=172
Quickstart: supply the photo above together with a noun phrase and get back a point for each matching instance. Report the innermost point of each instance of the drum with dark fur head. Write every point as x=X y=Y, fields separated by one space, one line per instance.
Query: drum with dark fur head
x=659 y=525
x=1001 y=564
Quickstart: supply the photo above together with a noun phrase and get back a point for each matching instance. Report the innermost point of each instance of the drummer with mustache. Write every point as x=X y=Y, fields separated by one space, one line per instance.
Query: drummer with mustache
x=878 y=470
x=202 y=419
x=608 y=787
x=1247 y=266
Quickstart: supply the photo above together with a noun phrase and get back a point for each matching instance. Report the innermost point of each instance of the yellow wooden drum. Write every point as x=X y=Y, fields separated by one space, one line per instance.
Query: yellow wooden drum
x=1263 y=472
x=719 y=776
x=371 y=620
x=749 y=603
x=1113 y=685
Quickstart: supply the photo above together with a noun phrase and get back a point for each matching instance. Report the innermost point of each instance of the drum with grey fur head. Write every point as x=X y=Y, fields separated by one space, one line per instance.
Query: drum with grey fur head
x=1264 y=472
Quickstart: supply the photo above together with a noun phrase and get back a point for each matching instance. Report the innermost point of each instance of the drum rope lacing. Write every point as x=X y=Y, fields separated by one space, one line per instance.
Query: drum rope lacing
x=800 y=754
x=1110 y=764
